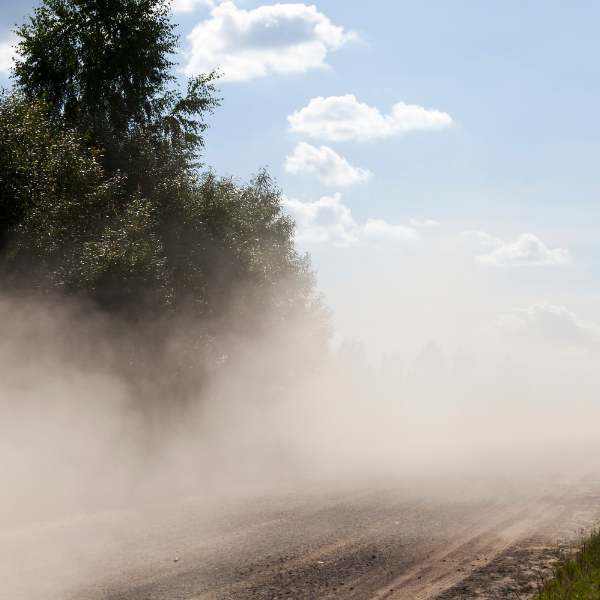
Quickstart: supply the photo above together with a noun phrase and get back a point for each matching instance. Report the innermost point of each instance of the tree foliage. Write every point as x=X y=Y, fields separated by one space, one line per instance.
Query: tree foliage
x=104 y=67
x=64 y=224
x=100 y=192
x=55 y=196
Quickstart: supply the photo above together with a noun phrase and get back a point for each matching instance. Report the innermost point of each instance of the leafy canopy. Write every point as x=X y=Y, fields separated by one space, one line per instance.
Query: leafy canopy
x=104 y=67
x=100 y=193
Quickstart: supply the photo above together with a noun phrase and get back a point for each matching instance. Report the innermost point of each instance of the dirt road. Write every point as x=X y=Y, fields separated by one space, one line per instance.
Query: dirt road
x=390 y=544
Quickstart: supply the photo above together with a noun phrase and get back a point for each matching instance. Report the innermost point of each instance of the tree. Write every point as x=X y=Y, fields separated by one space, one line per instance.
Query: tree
x=104 y=67
x=101 y=196
x=55 y=195
x=84 y=232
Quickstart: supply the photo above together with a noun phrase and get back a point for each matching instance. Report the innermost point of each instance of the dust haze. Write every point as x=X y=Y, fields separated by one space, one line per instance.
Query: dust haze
x=85 y=432
x=109 y=439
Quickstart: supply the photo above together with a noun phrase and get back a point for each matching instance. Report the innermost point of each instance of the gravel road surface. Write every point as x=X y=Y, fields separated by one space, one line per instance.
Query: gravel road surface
x=398 y=542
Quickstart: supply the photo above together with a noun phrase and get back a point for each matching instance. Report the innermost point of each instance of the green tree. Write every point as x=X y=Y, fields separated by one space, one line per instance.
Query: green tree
x=54 y=195
x=104 y=67
x=101 y=196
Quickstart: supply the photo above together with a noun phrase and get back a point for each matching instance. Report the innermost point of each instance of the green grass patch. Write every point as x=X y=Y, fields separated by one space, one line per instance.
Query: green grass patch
x=576 y=578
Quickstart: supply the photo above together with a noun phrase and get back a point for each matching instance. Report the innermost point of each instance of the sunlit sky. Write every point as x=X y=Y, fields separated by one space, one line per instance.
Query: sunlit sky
x=440 y=158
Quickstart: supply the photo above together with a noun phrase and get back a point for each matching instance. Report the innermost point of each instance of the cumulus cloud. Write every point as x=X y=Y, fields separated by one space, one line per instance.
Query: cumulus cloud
x=329 y=220
x=324 y=163
x=324 y=220
x=270 y=39
x=341 y=118
x=190 y=5
x=526 y=251
x=549 y=323
x=7 y=54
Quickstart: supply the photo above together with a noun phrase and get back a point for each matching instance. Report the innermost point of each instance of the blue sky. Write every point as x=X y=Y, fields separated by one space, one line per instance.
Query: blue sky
x=439 y=222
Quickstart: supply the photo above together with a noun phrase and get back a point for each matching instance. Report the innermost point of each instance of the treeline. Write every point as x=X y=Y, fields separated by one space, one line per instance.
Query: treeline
x=103 y=197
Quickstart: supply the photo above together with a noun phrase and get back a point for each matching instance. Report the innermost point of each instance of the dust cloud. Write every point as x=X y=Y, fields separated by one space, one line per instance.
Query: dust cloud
x=85 y=430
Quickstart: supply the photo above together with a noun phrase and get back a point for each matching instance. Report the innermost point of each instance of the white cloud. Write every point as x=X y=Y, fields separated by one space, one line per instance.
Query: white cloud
x=549 y=323
x=340 y=118
x=329 y=220
x=277 y=38
x=325 y=220
x=326 y=164
x=526 y=251
x=7 y=53
x=190 y=5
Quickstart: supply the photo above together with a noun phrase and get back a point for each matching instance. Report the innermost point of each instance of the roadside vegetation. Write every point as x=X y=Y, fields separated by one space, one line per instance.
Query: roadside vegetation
x=105 y=198
x=576 y=578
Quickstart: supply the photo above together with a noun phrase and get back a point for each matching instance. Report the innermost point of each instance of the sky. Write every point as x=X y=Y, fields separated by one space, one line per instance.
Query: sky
x=439 y=157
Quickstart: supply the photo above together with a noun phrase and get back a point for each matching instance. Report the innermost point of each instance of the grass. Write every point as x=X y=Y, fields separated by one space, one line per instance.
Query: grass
x=576 y=578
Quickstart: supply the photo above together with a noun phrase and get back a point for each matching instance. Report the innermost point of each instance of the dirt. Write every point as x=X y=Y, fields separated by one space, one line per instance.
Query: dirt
x=395 y=543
